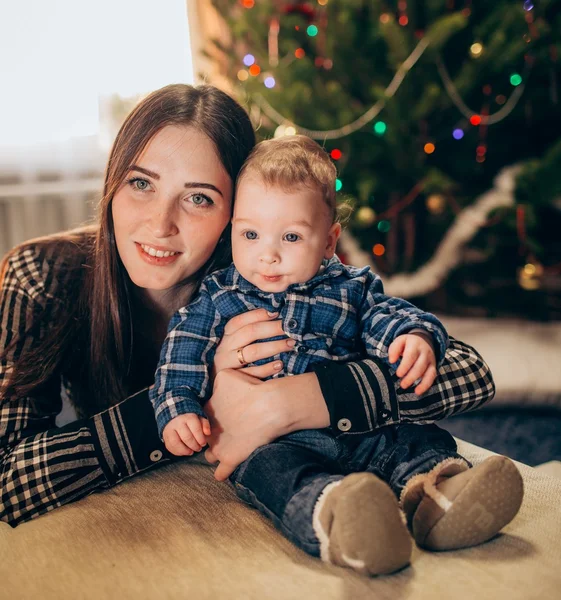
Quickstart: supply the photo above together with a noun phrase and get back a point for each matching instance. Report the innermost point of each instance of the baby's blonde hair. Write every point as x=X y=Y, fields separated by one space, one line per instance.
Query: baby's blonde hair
x=293 y=161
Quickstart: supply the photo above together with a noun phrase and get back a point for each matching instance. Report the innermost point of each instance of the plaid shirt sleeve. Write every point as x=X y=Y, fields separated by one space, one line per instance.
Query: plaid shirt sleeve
x=182 y=377
x=383 y=318
x=41 y=466
x=365 y=395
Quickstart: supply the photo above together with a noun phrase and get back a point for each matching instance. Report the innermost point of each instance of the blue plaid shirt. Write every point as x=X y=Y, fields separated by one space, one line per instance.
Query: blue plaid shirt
x=340 y=314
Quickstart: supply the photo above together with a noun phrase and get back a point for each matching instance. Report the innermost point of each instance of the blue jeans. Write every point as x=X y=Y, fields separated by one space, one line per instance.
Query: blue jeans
x=284 y=479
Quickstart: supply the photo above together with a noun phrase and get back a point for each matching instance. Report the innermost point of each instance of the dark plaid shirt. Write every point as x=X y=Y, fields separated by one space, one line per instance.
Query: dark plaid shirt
x=340 y=314
x=43 y=466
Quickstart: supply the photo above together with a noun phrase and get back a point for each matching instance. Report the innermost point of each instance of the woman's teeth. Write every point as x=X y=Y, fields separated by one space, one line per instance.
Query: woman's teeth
x=157 y=253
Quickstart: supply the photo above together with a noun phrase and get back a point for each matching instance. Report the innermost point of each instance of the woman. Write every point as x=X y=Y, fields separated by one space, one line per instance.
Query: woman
x=85 y=312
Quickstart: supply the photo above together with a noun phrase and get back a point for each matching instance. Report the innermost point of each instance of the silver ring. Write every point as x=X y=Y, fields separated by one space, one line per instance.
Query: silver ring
x=241 y=358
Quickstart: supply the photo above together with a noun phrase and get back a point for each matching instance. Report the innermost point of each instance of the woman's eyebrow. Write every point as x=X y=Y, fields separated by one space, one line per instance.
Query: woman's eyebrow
x=188 y=185
x=145 y=171
x=206 y=186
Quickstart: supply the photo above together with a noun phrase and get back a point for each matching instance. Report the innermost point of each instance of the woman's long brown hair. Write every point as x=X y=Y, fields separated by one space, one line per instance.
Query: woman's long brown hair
x=92 y=336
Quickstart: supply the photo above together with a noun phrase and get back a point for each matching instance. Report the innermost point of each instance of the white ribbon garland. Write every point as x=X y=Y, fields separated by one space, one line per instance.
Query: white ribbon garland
x=448 y=255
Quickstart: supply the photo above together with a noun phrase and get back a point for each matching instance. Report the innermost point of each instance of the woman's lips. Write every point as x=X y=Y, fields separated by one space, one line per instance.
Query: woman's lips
x=160 y=261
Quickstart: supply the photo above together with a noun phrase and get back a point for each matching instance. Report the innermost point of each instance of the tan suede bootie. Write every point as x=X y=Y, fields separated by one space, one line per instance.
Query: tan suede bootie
x=456 y=507
x=360 y=526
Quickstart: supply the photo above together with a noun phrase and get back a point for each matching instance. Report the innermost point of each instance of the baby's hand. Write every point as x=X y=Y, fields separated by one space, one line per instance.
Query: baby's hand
x=418 y=360
x=186 y=434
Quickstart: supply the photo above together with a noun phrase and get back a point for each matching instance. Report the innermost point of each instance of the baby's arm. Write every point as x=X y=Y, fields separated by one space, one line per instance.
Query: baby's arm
x=182 y=382
x=418 y=337
x=186 y=434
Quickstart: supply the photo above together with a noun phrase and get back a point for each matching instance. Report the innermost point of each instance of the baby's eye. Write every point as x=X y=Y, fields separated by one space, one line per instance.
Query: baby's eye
x=291 y=237
x=250 y=235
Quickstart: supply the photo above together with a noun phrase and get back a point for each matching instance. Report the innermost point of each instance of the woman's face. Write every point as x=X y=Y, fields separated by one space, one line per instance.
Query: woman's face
x=171 y=209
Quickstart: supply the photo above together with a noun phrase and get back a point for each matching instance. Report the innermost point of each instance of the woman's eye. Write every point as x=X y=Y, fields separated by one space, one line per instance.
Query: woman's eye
x=200 y=199
x=139 y=184
x=250 y=235
x=291 y=237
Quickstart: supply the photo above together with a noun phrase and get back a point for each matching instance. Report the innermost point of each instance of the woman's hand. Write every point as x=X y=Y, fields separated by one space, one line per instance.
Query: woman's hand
x=241 y=420
x=246 y=413
x=240 y=333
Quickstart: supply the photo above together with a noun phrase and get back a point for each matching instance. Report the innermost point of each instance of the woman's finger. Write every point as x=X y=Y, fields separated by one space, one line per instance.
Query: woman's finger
x=264 y=371
x=209 y=457
x=246 y=318
x=252 y=333
x=260 y=350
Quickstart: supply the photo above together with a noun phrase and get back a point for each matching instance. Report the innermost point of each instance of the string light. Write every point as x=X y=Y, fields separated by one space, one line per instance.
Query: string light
x=336 y=154
x=515 y=79
x=254 y=70
x=528 y=5
x=248 y=3
x=312 y=30
x=322 y=2
x=500 y=99
x=475 y=120
x=243 y=75
x=338 y=185
x=379 y=249
x=429 y=148
x=385 y=18
x=403 y=20
x=476 y=49
x=299 y=53
x=248 y=60
x=327 y=64
x=384 y=226
x=269 y=82
x=380 y=127
x=458 y=133
x=290 y=130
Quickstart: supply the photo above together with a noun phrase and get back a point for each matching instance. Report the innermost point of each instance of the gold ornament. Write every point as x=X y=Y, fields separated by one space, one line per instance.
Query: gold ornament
x=365 y=216
x=530 y=276
x=436 y=204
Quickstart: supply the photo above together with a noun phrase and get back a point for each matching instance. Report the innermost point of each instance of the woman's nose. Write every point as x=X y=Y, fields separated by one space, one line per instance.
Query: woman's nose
x=163 y=221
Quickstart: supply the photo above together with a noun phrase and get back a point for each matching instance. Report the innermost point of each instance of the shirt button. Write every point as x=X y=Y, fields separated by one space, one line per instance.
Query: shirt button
x=302 y=349
x=292 y=323
x=156 y=455
x=385 y=415
x=344 y=424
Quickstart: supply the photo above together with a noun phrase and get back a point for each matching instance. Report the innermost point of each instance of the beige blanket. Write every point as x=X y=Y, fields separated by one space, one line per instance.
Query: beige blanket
x=177 y=533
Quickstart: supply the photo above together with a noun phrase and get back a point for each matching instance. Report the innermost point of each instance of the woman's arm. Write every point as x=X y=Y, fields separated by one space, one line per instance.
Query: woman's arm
x=352 y=398
x=365 y=395
x=41 y=466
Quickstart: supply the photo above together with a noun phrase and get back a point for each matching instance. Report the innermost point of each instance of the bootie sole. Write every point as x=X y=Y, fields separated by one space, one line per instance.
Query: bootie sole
x=490 y=500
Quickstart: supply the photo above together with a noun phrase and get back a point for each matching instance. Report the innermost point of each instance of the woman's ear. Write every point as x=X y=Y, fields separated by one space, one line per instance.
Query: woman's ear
x=332 y=238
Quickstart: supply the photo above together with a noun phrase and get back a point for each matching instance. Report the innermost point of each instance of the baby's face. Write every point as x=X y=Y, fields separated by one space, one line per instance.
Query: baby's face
x=278 y=237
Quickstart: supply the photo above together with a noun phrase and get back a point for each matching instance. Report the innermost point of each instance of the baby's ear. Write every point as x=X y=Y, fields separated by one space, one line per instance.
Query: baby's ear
x=332 y=237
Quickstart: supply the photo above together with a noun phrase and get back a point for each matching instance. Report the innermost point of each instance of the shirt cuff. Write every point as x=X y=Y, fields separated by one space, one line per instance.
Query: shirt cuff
x=360 y=396
x=126 y=438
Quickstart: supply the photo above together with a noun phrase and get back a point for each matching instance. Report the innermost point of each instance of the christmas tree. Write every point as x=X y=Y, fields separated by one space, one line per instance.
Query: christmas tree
x=443 y=120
